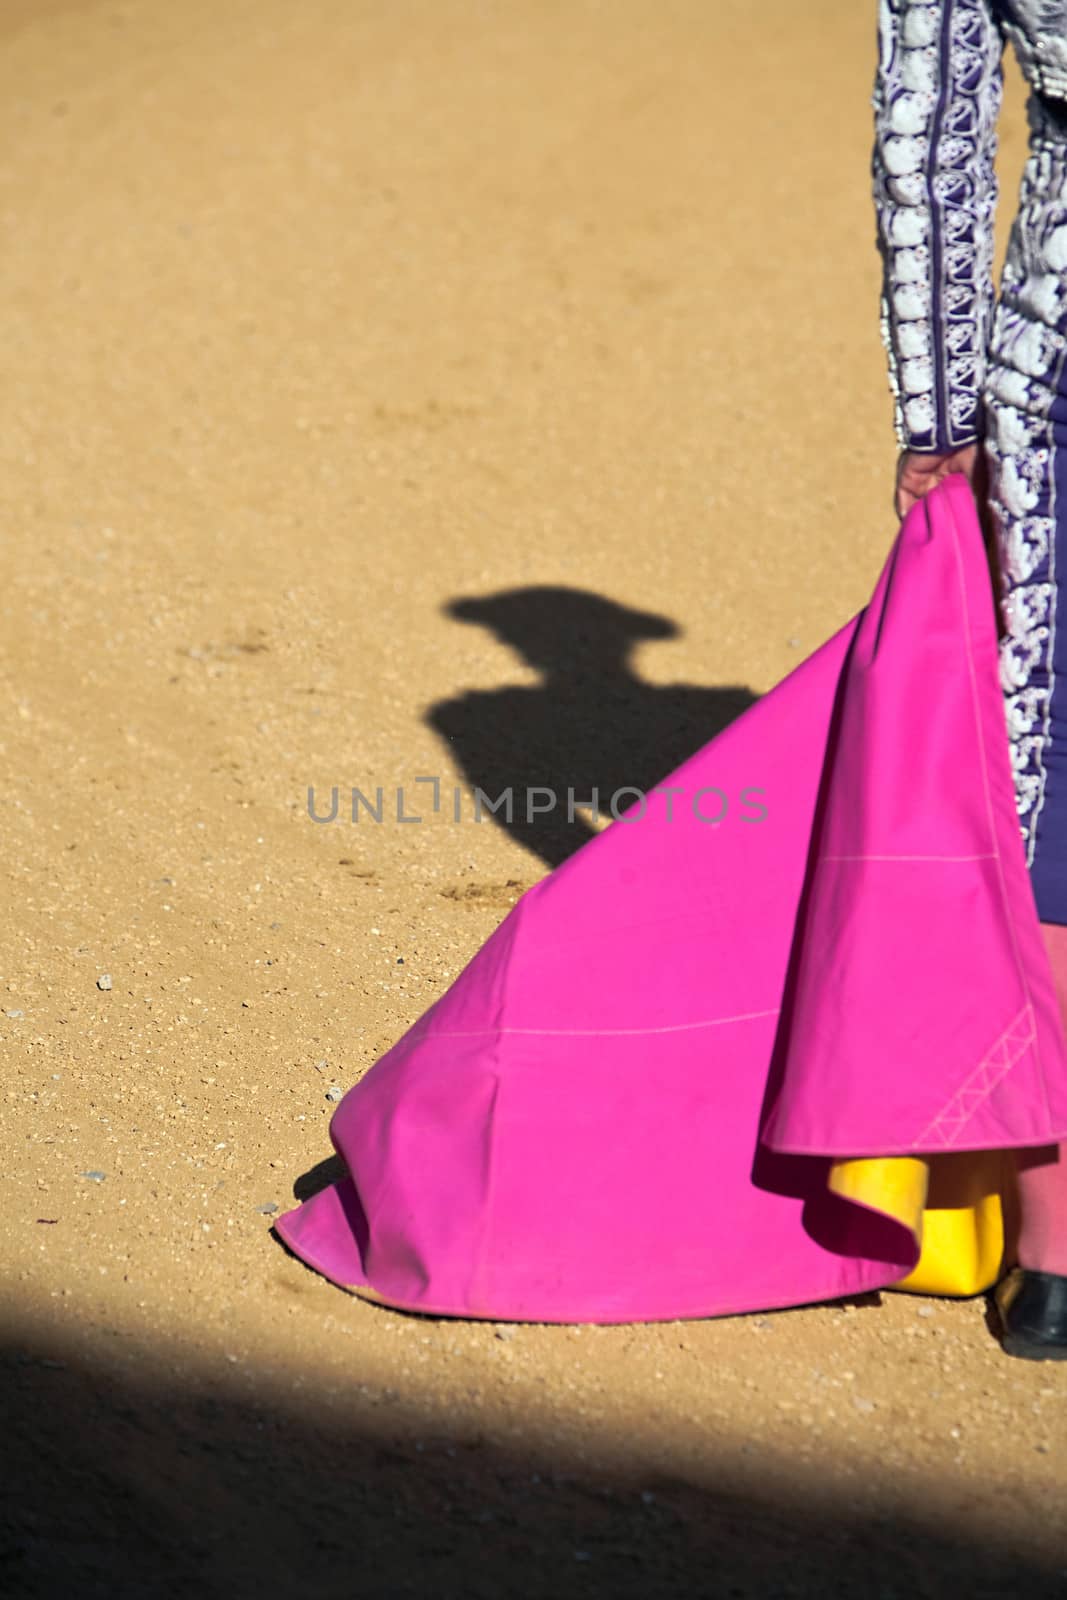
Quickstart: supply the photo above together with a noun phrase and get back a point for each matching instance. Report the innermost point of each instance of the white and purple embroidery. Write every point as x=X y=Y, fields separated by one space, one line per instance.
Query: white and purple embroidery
x=1025 y=377
x=937 y=95
x=958 y=373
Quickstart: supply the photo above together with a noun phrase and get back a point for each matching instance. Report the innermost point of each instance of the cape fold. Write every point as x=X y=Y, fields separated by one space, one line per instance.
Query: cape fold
x=709 y=1066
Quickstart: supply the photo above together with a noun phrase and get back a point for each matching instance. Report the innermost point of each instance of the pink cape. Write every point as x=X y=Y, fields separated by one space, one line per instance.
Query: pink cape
x=626 y=1105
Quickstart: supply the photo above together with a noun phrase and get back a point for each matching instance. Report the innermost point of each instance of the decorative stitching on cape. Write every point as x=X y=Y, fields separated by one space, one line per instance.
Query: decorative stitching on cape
x=949 y=1123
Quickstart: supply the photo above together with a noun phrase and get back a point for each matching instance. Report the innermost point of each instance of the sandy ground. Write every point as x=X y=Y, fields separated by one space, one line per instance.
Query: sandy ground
x=326 y=325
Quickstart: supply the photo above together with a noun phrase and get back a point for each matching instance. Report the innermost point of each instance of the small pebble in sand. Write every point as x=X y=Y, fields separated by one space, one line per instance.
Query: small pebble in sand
x=334 y=1093
x=268 y=1209
x=104 y=981
x=93 y=1176
x=14 y=1015
x=794 y=644
x=506 y=1330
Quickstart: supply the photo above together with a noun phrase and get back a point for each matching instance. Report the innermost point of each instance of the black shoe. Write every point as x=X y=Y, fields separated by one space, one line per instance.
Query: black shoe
x=1033 y=1314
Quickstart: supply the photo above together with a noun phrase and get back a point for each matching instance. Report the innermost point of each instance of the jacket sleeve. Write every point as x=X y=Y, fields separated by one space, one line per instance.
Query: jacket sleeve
x=936 y=99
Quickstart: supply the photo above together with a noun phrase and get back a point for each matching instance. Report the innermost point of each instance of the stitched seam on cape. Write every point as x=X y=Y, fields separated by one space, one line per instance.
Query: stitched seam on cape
x=477 y=1288
x=983 y=762
x=992 y=1078
x=600 y=1033
x=989 y=856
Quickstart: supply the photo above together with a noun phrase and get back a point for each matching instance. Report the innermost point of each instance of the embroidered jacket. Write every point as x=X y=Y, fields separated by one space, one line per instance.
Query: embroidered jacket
x=937 y=95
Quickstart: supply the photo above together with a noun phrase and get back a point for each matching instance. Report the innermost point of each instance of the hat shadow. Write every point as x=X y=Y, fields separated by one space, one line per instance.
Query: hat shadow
x=590 y=724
